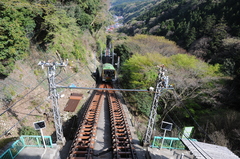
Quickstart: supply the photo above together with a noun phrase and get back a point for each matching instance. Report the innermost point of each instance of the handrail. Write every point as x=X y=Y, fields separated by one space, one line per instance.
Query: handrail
x=169 y=143
x=25 y=141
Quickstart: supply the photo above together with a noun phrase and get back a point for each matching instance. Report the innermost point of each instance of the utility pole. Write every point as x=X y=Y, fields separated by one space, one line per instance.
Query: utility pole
x=54 y=96
x=161 y=84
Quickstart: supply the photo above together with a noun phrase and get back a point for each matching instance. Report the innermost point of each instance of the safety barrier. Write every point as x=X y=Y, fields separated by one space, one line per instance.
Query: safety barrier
x=168 y=143
x=25 y=141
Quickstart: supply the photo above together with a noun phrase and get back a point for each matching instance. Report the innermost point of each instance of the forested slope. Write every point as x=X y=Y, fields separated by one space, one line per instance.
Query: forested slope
x=51 y=31
x=208 y=30
x=199 y=92
x=49 y=25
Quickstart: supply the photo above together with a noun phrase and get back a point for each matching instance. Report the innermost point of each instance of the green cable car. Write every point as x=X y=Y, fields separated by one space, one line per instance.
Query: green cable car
x=108 y=73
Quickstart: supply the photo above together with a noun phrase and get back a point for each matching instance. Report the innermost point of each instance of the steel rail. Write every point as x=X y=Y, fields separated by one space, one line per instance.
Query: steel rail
x=121 y=135
x=83 y=144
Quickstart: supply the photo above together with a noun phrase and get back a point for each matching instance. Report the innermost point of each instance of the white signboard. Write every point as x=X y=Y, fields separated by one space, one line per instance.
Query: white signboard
x=166 y=126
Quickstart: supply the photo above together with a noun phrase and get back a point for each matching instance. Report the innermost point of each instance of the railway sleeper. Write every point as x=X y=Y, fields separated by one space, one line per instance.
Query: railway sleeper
x=123 y=148
x=124 y=127
x=124 y=154
x=120 y=130
x=117 y=156
x=118 y=122
x=80 y=157
x=121 y=127
x=118 y=118
x=81 y=153
x=86 y=130
x=120 y=134
x=123 y=138
x=81 y=143
x=87 y=134
x=89 y=116
x=80 y=138
x=87 y=126
x=114 y=123
x=115 y=120
x=81 y=147
x=118 y=114
x=122 y=142
x=75 y=149
x=86 y=122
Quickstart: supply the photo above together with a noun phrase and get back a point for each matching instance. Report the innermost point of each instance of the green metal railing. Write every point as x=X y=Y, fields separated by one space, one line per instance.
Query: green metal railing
x=25 y=141
x=168 y=143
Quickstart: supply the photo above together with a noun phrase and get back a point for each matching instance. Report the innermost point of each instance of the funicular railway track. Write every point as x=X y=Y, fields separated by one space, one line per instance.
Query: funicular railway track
x=121 y=135
x=83 y=144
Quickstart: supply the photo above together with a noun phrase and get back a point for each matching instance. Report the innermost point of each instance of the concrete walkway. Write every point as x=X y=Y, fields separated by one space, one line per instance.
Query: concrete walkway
x=38 y=153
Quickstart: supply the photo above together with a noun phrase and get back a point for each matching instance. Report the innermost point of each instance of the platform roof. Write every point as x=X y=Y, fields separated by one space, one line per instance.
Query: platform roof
x=208 y=151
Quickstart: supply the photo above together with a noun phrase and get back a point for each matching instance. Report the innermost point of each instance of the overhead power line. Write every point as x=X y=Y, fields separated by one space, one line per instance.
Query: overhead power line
x=191 y=142
x=22 y=97
x=23 y=118
x=190 y=114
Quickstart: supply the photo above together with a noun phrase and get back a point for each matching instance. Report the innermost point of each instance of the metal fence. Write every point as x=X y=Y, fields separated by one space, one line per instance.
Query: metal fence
x=26 y=141
x=168 y=143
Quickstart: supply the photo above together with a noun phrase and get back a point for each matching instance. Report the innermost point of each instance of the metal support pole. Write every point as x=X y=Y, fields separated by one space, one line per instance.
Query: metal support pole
x=44 y=144
x=163 y=138
x=161 y=84
x=54 y=96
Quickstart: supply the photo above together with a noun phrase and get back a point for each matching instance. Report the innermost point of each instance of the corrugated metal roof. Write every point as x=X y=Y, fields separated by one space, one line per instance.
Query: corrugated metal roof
x=73 y=102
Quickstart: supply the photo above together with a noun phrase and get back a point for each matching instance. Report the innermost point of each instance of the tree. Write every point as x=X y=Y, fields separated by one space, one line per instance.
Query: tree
x=191 y=37
x=189 y=76
x=16 y=24
x=123 y=51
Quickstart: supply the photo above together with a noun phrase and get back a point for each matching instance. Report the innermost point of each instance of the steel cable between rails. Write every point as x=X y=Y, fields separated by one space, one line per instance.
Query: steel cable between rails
x=198 y=148
x=23 y=118
x=22 y=97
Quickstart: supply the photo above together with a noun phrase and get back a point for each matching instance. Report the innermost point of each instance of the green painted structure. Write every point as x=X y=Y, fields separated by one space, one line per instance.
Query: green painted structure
x=108 y=66
x=26 y=141
x=169 y=142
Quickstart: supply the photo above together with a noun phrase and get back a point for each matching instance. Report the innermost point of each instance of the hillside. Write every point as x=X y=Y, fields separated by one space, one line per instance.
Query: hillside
x=33 y=31
x=203 y=70
x=208 y=30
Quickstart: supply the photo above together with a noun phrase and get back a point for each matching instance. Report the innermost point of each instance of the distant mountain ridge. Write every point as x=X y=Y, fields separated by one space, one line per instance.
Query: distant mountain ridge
x=208 y=29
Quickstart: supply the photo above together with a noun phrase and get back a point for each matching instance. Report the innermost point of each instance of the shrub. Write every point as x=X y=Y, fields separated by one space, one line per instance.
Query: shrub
x=27 y=130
